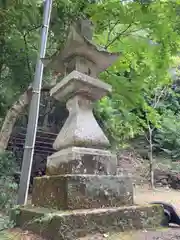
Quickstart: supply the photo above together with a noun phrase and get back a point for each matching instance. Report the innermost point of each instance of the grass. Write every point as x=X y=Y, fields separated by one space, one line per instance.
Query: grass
x=6 y=235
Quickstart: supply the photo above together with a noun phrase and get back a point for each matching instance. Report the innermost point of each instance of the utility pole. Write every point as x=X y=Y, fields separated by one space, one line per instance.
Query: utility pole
x=34 y=110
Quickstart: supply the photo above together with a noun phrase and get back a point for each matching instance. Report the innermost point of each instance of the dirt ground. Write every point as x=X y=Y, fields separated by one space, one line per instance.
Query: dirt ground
x=142 y=195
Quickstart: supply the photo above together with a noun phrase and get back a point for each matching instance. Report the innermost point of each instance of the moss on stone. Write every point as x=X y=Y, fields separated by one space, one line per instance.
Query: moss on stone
x=82 y=191
x=68 y=225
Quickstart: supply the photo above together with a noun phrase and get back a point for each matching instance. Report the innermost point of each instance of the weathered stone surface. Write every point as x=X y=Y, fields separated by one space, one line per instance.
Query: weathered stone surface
x=82 y=191
x=76 y=160
x=85 y=140
x=76 y=83
x=77 y=44
x=81 y=64
x=68 y=225
x=81 y=128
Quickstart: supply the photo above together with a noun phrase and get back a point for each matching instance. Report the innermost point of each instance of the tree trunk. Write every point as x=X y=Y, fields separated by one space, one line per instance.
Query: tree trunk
x=151 y=167
x=13 y=113
x=151 y=162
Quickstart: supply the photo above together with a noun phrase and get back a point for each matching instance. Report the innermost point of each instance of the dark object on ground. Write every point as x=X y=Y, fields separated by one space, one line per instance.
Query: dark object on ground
x=170 y=214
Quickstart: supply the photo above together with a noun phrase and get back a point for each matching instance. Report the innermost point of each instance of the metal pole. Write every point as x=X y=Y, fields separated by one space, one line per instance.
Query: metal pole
x=34 y=111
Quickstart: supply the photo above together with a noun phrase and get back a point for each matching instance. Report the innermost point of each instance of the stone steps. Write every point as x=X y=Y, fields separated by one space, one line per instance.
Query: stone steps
x=68 y=225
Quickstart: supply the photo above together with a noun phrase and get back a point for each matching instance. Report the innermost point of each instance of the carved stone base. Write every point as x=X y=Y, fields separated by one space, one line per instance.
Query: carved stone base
x=82 y=191
x=68 y=225
x=78 y=160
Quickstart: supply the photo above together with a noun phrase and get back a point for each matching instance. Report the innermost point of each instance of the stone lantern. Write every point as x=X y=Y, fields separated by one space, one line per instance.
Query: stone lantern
x=83 y=157
x=81 y=192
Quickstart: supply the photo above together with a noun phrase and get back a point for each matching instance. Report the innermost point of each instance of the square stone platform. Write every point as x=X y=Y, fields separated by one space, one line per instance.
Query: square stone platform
x=81 y=160
x=69 y=225
x=82 y=191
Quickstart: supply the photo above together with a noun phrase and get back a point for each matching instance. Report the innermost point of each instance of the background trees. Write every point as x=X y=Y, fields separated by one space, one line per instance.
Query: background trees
x=145 y=99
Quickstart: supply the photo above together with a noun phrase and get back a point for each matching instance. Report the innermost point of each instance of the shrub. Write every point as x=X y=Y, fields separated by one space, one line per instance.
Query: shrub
x=8 y=188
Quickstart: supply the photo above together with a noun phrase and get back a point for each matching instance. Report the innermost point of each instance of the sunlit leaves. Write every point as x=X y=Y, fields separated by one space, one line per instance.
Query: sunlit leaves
x=167 y=138
x=146 y=35
x=146 y=38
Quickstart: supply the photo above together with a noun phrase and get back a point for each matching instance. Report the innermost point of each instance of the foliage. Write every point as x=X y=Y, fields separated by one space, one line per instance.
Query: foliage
x=8 y=188
x=15 y=59
x=7 y=164
x=7 y=185
x=167 y=138
x=20 y=24
x=147 y=37
x=145 y=33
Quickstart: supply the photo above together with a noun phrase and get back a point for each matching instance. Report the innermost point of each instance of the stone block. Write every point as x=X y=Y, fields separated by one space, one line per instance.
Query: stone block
x=77 y=160
x=81 y=128
x=77 y=82
x=82 y=191
x=68 y=225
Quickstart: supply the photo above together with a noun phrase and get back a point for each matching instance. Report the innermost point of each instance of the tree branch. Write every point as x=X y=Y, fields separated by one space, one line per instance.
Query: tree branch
x=117 y=36
x=110 y=31
x=27 y=58
x=27 y=50
x=159 y=97
x=146 y=138
x=33 y=29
